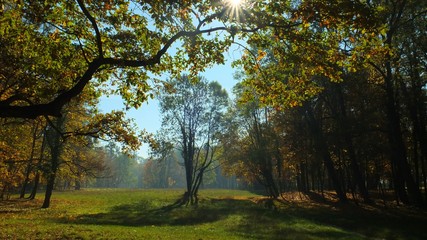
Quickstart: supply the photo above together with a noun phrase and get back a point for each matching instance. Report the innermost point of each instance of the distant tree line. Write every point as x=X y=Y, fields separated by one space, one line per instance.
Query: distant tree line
x=331 y=96
x=93 y=165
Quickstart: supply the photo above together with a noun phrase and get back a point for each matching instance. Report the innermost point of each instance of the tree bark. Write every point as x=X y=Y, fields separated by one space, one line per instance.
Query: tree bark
x=322 y=149
x=344 y=129
x=49 y=189
x=397 y=147
x=35 y=187
x=30 y=161
x=78 y=185
x=398 y=154
x=56 y=146
x=38 y=167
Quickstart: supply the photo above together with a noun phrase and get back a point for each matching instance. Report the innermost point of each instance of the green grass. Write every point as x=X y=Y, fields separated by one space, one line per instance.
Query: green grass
x=221 y=214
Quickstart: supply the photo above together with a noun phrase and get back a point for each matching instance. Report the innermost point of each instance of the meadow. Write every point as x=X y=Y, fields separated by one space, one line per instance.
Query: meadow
x=221 y=214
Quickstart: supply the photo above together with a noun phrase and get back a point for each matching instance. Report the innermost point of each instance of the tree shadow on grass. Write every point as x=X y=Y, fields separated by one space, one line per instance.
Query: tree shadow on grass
x=240 y=217
x=18 y=206
x=373 y=220
x=143 y=213
x=250 y=220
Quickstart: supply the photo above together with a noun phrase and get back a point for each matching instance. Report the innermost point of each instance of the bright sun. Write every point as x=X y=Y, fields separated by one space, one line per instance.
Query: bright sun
x=234 y=8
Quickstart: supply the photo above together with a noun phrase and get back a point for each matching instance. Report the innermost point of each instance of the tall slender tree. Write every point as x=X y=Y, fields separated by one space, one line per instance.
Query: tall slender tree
x=192 y=116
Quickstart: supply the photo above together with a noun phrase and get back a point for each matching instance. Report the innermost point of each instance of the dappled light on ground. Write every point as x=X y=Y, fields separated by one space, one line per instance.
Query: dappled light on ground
x=136 y=214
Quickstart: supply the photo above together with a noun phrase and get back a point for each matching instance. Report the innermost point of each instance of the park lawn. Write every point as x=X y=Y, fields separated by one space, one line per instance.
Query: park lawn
x=221 y=214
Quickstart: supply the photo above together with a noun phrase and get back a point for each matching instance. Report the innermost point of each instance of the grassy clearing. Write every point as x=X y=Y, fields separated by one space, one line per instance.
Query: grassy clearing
x=221 y=214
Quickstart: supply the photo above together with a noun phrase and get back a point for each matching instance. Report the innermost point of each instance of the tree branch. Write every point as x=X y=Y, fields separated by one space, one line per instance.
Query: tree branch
x=94 y=25
x=54 y=107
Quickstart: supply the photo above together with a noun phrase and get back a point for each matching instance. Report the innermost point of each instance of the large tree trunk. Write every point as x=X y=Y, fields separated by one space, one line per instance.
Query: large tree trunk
x=189 y=178
x=49 y=189
x=55 y=146
x=272 y=188
x=302 y=179
x=188 y=156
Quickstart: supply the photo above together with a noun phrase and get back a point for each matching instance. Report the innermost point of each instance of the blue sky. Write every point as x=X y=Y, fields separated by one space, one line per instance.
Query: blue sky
x=148 y=116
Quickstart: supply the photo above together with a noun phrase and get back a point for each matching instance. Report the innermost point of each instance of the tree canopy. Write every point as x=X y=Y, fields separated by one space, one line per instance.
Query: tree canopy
x=332 y=93
x=192 y=115
x=53 y=50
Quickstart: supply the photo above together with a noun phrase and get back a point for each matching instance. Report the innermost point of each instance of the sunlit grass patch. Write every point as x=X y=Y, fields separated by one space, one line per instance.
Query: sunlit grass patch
x=221 y=214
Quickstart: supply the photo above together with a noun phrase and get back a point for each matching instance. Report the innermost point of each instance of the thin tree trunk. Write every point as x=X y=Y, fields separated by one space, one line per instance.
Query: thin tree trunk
x=403 y=176
x=38 y=167
x=30 y=162
x=415 y=101
x=423 y=173
x=348 y=141
x=398 y=150
x=355 y=168
x=35 y=187
x=322 y=149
